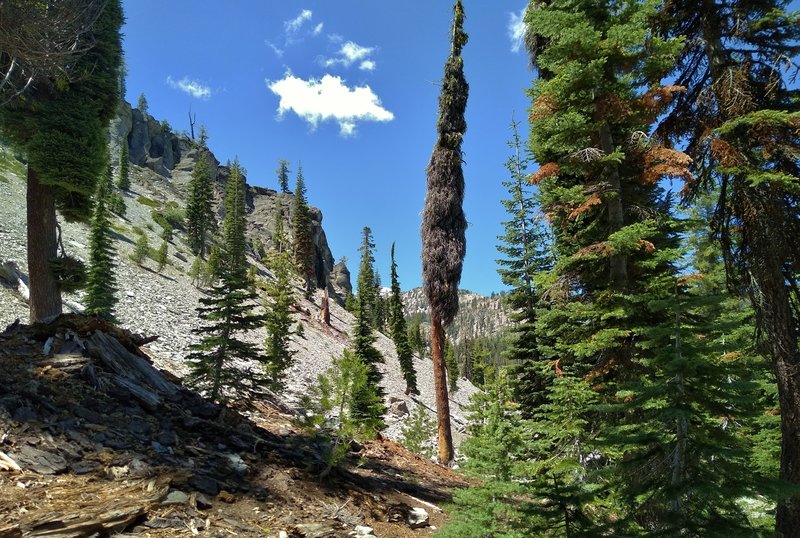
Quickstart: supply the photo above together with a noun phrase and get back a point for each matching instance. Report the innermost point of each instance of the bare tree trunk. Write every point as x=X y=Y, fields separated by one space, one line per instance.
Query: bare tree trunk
x=446 y=453
x=45 y=298
x=325 y=309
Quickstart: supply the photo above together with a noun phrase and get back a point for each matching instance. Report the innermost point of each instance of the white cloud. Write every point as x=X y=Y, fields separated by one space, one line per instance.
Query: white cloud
x=275 y=48
x=349 y=53
x=293 y=25
x=328 y=99
x=516 y=29
x=318 y=29
x=352 y=52
x=191 y=87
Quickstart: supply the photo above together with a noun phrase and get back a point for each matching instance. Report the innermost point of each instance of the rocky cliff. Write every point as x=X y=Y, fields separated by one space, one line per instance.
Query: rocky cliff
x=172 y=157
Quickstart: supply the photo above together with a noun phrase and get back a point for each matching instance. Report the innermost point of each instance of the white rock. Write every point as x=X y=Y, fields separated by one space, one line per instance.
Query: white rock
x=417 y=518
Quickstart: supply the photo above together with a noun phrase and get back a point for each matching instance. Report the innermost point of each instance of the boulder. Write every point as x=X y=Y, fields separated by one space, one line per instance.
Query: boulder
x=418 y=518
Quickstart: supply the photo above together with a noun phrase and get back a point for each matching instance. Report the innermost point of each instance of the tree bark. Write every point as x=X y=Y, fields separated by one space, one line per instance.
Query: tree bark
x=445 y=436
x=772 y=304
x=45 y=300
x=616 y=214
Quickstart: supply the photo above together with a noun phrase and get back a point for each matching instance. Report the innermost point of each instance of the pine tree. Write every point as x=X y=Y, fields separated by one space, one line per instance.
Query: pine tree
x=101 y=285
x=443 y=222
x=141 y=249
x=451 y=365
x=124 y=181
x=161 y=255
x=739 y=121
x=526 y=254
x=367 y=290
x=279 y=241
x=200 y=221
x=302 y=244
x=364 y=337
x=228 y=311
x=399 y=331
x=283 y=176
x=278 y=299
x=141 y=104
x=61 y=127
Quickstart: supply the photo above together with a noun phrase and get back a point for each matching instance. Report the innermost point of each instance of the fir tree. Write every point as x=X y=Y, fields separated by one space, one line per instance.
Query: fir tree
x=60 y=125
x=364 y=337
x=228 y=311
x=302 y=244
x=739 y=121
x=278 y=299
x=443 y=221
x=141 y=104
x=279 y=241
x=399 y=331
x=451 y=365
x=101 y=286
x=283 y=176
x=124 y=181
x=161 y=255
x=141 y=249
x=200 y=221
x=526 y=254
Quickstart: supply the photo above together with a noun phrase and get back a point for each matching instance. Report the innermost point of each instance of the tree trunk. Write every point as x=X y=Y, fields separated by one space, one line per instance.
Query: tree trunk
x=446 y=454
x=772 y=304
x=616 y=215
x=45 y=300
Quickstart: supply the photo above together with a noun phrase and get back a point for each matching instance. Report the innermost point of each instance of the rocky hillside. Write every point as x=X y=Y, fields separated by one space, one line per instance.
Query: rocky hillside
x=478 y=315
x=163 y=303
x=171 y=157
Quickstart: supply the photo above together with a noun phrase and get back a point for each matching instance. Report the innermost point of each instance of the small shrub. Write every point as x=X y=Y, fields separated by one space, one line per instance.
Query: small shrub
x=149 y=202
x=161 y=255
x=141 y=250
x=418 y=431
x=329 y=402
x=117 y=204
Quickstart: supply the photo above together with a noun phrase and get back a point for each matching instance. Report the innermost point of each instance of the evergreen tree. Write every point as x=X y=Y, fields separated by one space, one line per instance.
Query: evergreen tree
x=141 y=104
x=302 y=244
x=200 y=220
x=283 y=176
x=279 y=299
x=739 y=121
x=397 y=322
x=228 y=311
x=526 y=254
x=141 y=249
x=61 y=127
x=124 y=181
x=101 y=285
x=161 y=255
x=443 y=221
x=364 y=337
x=367 y=290
x=279 y=241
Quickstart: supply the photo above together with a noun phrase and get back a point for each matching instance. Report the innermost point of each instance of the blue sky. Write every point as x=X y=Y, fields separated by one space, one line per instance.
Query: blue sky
x=348 y=88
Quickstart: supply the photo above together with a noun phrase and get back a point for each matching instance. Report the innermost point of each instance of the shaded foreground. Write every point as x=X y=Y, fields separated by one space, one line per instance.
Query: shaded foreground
x=93 y=439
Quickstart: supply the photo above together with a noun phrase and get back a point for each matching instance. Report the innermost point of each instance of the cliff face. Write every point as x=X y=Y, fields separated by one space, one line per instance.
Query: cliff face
x=153 y=144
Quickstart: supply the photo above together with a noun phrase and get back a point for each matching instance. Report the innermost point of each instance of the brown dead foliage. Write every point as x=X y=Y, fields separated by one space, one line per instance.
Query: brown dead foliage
x=660 y=161
x=657 y=97
x=596 y=249
x=544 y=171
x=593 y=200
x=542 y=106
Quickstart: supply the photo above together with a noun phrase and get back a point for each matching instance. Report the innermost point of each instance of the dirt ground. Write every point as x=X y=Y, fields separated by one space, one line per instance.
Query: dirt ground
x=94 y=441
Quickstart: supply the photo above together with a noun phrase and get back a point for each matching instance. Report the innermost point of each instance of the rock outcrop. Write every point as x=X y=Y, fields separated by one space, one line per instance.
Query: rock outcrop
x=154 y=145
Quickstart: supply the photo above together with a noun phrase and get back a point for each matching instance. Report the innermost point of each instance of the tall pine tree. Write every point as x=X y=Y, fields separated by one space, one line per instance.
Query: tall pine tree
x=444 y=225
x=124 y=180
x=200 y=220
x=278 y=300
x=283 y=176
x=61 y=126
x=101 y=285
x=740 y=123
x=399 y=332
x=227 y=311
x=302 y=242
x=525 y=250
